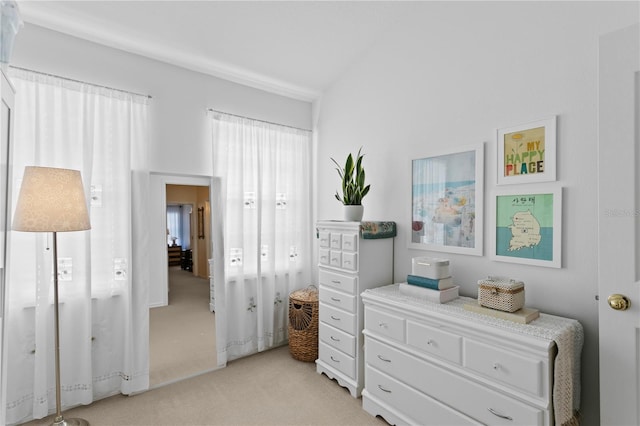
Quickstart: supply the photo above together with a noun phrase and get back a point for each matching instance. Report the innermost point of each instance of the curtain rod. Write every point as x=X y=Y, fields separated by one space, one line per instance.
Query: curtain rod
x=79 y=81
x=261 y=121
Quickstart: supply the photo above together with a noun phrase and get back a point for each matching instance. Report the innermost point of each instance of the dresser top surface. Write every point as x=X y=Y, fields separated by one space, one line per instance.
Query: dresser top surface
x=548 y=327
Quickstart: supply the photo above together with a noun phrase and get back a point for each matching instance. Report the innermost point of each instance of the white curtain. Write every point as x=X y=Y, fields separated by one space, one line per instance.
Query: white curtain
x=264 y=175
x=174 y=224
x=103 y=272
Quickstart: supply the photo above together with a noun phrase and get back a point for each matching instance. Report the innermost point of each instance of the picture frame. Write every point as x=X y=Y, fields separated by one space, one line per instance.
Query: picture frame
x=527 y=153
x=447 y=201
x=527 y=226
x=201 y=223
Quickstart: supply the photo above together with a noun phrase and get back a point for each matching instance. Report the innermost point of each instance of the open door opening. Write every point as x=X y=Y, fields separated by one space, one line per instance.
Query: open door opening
x=182 y=337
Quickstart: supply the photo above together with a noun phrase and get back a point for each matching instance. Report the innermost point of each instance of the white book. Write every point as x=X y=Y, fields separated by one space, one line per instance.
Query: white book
x=436 y=296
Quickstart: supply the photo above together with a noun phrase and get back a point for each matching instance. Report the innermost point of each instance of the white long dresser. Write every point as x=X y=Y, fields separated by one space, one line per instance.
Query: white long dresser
x=441 y=364
x=352 y=257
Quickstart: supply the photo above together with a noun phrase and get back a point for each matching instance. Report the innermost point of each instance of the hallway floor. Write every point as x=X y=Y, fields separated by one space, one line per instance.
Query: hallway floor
x=182 y=338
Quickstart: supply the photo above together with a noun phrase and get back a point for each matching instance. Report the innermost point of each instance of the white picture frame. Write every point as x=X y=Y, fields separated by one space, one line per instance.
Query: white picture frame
x=527 y=153
x=526 y=223
x=447 y=201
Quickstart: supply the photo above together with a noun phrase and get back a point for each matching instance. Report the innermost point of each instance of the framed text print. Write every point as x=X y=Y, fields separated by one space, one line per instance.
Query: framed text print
x=527 y=226
x=447 y=201
x=527 y=153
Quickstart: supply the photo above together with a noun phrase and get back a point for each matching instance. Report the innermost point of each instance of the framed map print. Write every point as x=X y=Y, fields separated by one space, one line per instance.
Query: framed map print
x=528 y=226
x=447 y=201
x=527 y=153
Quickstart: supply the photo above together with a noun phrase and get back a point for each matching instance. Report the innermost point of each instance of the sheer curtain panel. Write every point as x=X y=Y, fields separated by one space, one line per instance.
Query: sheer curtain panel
x=264 y=209
x=103 y=273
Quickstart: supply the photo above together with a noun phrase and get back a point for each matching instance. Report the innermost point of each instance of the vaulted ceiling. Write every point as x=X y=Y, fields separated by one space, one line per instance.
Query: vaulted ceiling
x=294 y=48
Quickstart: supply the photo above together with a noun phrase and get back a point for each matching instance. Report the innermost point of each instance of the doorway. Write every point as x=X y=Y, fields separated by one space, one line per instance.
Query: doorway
x=182 y=338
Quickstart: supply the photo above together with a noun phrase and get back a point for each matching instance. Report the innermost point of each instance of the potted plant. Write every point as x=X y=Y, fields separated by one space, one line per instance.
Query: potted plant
x=353 y=186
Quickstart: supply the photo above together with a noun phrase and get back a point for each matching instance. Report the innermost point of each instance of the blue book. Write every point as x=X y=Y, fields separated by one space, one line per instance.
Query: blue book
x=432 y=283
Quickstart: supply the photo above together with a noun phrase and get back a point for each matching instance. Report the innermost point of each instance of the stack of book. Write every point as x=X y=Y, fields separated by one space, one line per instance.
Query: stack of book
x=430 y=279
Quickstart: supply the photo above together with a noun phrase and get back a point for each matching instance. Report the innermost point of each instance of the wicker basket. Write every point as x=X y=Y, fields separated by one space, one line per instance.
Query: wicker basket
x=501 y=293
x=303 y=324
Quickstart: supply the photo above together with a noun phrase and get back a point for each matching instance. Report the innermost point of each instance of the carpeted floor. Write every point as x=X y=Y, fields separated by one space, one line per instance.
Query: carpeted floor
x=182 y=335
x=269 y=388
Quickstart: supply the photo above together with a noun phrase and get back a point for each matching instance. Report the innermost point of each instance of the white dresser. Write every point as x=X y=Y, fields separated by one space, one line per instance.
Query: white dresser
x=352 y=257
x=440 y=364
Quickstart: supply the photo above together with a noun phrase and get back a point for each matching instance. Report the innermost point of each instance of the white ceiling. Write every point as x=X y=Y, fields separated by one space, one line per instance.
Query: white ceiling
x=294 y=48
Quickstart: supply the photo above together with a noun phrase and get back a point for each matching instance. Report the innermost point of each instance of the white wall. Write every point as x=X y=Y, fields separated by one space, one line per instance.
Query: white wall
x=451 y=77
x=181 y=140
x=180 y=133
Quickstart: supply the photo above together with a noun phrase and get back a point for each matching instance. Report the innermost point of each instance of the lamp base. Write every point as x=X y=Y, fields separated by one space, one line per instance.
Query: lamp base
x=71 y=422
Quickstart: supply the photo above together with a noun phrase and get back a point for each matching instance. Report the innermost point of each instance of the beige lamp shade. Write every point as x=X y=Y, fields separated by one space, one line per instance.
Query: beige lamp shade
x=51 y=200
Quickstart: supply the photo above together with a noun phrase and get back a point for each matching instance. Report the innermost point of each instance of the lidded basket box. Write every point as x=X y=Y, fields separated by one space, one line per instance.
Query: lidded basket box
x=503 y=294
x=303 y=324
x=430 y=267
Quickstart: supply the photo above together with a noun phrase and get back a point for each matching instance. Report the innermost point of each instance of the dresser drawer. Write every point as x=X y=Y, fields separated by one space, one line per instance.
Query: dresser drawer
x=384 y=324
x=335 y=258
x=411 y=402
x=435 y=342
x=338 y=318
x=323 y=239
x=339 y=281
x=338 y=360
x=323 y=256
x=335 y=240
x=338 y=299
x=340 y=340
x=464 y=395
x=350 y=242
x=516 y=370
x=350 y=261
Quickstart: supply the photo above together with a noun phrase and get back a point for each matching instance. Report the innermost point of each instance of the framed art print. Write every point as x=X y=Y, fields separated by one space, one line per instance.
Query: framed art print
x=447 y=201
x=527 y=226
x=527 y=153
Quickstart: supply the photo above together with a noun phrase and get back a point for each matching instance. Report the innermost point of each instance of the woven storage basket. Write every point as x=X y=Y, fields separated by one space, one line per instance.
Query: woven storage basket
x=499 y=293
x=303 y=324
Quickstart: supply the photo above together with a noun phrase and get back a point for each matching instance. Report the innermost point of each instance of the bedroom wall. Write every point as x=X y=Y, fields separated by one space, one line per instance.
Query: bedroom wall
x=180 y=142
x=450 y=77
x=180 y=135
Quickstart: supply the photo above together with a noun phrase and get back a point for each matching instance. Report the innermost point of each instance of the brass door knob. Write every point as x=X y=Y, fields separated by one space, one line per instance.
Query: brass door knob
x=619 y=302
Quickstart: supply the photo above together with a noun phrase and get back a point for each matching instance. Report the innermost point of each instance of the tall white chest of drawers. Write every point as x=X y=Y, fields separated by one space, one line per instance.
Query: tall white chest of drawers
x=350 y=261
x=431 y=364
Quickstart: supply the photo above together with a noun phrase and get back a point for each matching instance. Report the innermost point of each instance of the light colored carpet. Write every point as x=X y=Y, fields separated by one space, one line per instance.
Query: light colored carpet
x=182 y=339
x=269 y=388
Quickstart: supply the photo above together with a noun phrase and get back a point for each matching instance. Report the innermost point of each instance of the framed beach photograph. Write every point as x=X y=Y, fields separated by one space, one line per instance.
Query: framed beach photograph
x=527 y=226
x=447 y=201
x=527 y=153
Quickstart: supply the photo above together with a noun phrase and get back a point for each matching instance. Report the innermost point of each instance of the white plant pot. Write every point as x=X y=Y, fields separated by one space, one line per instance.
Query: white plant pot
x=353 y=213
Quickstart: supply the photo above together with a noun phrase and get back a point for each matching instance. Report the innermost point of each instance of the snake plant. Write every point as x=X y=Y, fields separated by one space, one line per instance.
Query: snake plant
x=353 y=184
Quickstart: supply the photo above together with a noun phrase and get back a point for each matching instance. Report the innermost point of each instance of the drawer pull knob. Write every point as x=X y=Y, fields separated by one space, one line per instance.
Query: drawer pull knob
x=430 y=342
x=496 y=366
x=336 y=281
x=502 y=416
x=335 y=318
x=380 y=357
x=383 y=324
x=335 y=299
x=383 y=389
x=337 y=360
x=334 y=339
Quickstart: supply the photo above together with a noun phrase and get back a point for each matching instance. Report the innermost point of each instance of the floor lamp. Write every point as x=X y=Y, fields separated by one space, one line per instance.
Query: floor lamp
x=52 y=200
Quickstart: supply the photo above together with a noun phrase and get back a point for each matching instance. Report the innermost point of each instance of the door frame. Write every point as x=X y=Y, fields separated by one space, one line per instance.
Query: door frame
x=159 y=277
